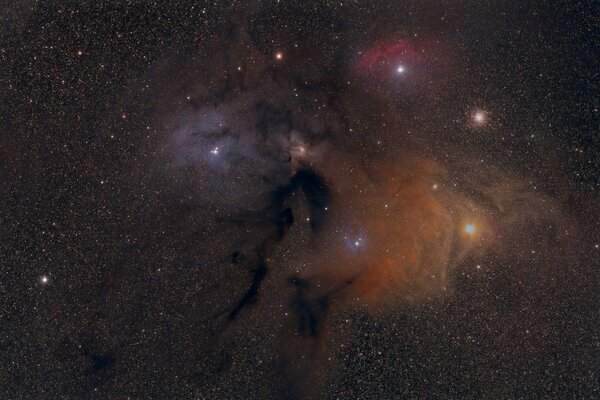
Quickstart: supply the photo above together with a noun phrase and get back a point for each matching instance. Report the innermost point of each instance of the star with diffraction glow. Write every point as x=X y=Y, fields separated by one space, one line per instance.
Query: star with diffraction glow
x=479 y=117
x=470 y=229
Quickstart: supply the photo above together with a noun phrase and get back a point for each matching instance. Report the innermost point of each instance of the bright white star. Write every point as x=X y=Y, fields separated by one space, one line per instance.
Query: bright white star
x=480 y=117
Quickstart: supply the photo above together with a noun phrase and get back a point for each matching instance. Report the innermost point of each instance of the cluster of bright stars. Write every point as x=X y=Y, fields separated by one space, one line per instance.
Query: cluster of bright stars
x=357 y=242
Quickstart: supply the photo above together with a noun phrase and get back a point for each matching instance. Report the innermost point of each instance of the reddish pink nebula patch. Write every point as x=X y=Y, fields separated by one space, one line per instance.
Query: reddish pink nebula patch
x=385 y=56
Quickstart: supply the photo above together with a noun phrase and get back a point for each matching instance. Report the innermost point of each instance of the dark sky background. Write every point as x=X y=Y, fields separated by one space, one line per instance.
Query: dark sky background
x=299 y=200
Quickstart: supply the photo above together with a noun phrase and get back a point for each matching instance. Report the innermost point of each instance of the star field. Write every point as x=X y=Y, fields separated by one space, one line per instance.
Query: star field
x=299 y=200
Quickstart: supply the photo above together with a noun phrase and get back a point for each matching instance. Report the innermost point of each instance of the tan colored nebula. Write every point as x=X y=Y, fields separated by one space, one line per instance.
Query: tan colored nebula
x=412 y=230
x=399 y=230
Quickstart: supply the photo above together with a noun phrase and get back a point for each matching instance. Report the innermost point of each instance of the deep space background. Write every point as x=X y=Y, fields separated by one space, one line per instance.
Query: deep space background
x=299 y=200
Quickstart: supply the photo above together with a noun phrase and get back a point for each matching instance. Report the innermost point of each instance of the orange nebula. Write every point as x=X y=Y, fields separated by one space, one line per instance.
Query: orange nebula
x=412 y=231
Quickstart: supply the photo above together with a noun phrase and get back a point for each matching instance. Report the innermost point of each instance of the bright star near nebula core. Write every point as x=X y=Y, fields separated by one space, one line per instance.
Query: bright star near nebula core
x=470 y=229
x=400 y=69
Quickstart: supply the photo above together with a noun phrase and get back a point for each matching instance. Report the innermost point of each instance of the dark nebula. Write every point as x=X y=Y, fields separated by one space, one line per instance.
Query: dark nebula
x=299 y=200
